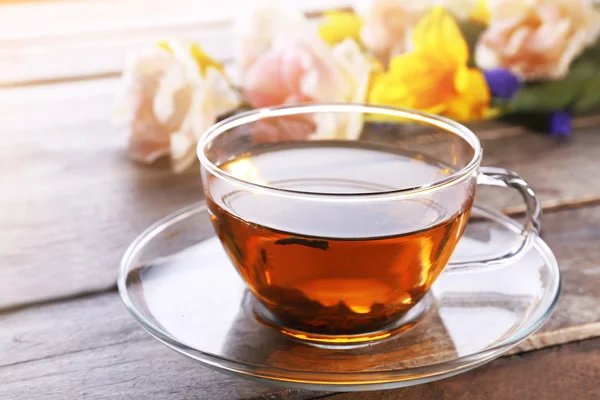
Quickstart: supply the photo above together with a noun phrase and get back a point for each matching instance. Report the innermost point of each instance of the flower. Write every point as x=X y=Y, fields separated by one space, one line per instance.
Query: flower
x=560 y=124
x=537 y=39
x=434 y=77
x=481 y=12
x=340 y=25
x=256 y=33
x=172 y=95
x=463 y=9
x=389 y=24
x=294 y=66
x=503 y=84
x=288 y=128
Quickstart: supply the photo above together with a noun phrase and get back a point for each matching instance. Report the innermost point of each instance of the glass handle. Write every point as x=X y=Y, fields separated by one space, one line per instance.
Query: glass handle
x=505 y=178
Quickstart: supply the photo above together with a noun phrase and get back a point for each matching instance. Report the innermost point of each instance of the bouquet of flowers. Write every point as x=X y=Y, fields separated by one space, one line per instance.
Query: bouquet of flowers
x=464 y=59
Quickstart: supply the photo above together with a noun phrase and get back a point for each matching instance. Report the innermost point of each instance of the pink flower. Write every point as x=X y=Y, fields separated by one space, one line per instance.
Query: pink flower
x=389 y=23
x=295 y=71
x=289 y=128
x=267 y=23
x=285 y=63
x=537 y=39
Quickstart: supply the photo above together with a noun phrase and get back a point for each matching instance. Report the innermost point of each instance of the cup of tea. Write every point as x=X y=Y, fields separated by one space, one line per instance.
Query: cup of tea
x=340 y=217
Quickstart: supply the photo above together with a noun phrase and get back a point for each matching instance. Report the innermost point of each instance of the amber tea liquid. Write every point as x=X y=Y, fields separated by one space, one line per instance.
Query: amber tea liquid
x=335 y=268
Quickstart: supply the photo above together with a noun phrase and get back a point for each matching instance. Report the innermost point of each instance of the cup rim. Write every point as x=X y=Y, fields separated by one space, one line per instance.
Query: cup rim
x=331 y=107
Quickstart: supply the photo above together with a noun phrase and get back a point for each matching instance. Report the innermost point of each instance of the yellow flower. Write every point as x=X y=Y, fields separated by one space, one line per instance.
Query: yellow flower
x=434 y=77
x=340 y=25
x=481 y=13
x=203 y=60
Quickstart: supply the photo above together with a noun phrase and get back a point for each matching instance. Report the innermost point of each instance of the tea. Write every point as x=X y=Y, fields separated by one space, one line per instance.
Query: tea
x=336 y=268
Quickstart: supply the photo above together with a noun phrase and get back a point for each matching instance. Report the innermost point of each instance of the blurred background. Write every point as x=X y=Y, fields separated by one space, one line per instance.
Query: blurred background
x=54 y=40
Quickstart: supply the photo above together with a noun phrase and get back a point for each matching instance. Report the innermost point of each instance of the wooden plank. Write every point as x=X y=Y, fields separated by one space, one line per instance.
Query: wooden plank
x=29 y=21
x=92 y=38
x=92 y=56
x=71 y=198
x=573 y=235
x=93 y=346
x=73 y=17
x=561 y=172
x=565 y=372
x=72 y=201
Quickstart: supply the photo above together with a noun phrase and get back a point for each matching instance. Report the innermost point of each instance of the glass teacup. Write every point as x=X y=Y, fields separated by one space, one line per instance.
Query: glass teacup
x=340 y=217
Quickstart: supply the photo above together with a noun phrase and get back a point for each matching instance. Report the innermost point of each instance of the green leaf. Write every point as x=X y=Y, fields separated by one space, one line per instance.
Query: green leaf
x=557 y=95
x=544 y=97
x=589 y=98
x=579 y=91
x=591 y=53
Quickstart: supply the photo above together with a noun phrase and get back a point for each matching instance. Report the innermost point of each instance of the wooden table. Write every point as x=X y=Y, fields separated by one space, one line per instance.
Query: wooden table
x=71 y=202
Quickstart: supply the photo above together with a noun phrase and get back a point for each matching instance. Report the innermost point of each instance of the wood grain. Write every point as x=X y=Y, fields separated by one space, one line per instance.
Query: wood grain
x=72 y=201
x=92 y=347
x=90 y=39
x=560 y=172
x=573 y=236
x=568 y=371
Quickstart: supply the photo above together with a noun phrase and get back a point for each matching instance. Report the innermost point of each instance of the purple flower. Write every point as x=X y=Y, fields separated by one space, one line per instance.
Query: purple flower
x=502 y=83
x=560 y=124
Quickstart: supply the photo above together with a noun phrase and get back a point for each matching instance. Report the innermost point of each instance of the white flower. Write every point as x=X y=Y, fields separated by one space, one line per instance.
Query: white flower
x=356 y=70
x=171 y=99
x=537 y=39
x=461 y=9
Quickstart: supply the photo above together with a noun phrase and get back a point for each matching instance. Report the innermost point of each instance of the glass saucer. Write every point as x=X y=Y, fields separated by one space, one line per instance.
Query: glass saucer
x=177 y=281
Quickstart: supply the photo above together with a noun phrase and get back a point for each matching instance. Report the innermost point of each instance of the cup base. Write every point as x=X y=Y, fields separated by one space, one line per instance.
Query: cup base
x=408 y=320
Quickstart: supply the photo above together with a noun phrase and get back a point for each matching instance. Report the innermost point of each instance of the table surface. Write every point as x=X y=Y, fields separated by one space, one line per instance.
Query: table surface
x=71 y=202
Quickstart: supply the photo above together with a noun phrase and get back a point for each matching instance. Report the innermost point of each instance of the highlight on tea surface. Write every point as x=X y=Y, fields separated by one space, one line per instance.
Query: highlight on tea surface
x=469 y=60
